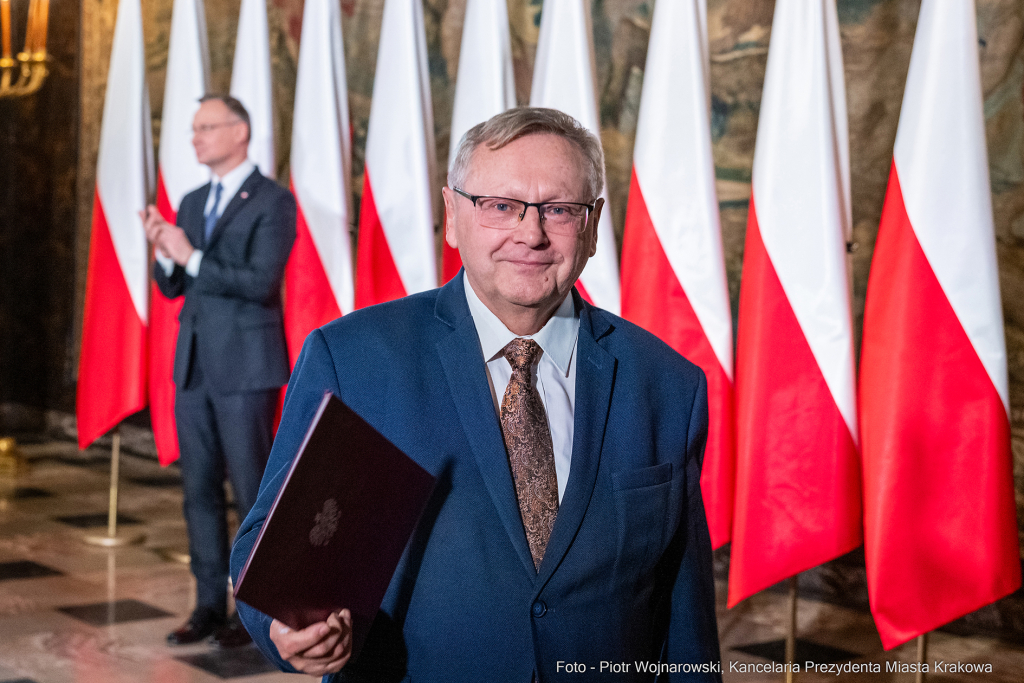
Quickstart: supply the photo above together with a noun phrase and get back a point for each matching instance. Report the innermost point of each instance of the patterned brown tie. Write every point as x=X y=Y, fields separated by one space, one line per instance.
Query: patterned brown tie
x=524 y=426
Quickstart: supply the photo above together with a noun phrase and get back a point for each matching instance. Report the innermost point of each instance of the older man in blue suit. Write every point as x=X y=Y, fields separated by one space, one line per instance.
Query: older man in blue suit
x=566 y=534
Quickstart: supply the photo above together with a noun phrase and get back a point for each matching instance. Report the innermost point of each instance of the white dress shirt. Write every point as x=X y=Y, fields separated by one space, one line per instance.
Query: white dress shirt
x=231 y=183
x=554 y=376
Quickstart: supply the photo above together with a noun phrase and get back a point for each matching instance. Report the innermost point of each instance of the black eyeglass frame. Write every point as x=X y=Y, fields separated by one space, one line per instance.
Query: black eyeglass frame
x=526 y=205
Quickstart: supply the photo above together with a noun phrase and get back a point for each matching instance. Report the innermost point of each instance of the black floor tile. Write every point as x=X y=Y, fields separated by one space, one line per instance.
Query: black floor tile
x=26 y=439
x=96 y=520
x=118 y=612
x=23 y=492
x=71 y=461
x=24 y=569
x=233 y=663
x=806 y=650
x=156 y=481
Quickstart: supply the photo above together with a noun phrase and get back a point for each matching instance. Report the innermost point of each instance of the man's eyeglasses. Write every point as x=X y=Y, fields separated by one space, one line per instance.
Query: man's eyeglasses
x=210 y=127
x=502 y=213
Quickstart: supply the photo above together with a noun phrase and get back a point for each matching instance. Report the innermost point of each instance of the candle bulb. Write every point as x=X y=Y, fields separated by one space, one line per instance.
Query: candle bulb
x=44 y=16
x=30 y=27
x=5 y=22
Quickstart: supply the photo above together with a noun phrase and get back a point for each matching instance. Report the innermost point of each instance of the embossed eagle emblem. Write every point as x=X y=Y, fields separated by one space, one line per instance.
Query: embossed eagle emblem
x=325 y=524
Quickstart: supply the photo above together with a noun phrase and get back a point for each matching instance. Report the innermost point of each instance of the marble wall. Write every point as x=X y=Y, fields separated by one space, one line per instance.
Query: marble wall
x=877 y=37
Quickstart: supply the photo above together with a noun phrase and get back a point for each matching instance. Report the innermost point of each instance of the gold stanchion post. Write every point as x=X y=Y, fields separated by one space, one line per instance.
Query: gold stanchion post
x=111 y=539
x=12 y=462
x=13 y=466
x=922 y=653
x=791 y=634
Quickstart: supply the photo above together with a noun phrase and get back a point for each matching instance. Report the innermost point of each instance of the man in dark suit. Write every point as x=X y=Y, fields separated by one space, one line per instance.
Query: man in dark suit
x=566 y=533
x=227 y=257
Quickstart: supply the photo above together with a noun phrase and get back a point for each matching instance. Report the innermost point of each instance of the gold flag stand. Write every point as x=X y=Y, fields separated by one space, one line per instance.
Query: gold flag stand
x=111 y=539
x=791 y=632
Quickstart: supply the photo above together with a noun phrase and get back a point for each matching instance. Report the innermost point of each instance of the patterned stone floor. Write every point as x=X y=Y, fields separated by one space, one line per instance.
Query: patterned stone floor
x=74 y=612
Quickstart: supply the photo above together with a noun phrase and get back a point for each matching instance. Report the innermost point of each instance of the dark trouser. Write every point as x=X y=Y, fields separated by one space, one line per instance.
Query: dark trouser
x=219 y=433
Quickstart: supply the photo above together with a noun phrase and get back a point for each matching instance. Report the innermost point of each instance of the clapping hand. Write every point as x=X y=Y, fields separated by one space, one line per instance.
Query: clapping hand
x=169 y=239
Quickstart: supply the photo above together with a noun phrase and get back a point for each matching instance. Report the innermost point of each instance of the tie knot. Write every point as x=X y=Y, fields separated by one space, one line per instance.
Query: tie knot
x=522 y=353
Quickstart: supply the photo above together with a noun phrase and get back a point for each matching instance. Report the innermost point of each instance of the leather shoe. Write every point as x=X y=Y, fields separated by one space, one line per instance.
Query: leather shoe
x=201 y=625
x=232 y=634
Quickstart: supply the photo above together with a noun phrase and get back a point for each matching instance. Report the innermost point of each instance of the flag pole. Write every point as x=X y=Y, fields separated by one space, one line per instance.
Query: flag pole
x=791 y=631
x=111 y=539
x=922 y=653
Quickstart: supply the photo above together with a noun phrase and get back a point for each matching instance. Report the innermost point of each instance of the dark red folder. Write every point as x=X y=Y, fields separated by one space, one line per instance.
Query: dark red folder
x=338 y=527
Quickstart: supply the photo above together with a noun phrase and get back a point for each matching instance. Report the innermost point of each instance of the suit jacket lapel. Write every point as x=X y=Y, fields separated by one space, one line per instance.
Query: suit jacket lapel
x=245 y=192
x=193 y=222
x=467 y=378
x=595 y=372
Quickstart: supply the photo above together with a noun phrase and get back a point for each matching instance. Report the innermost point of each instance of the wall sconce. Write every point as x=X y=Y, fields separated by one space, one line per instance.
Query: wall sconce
x=24 y=74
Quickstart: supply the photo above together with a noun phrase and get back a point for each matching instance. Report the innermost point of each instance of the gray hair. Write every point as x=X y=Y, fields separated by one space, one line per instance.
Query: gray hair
x=513 y=124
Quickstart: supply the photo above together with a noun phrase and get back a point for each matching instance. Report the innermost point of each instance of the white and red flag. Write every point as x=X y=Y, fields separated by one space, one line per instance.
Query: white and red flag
x=673 y=268
x=251 y=83
x=396 y=253
x=798 y=491
x=564 y=78
x=112 y=364
x=485 y=85
x=318 y=277
x=940 y=521
x=178 y=173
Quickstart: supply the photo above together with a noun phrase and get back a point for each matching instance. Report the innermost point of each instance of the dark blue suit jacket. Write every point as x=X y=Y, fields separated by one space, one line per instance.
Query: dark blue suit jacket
x=627 y=572
x=232 y=318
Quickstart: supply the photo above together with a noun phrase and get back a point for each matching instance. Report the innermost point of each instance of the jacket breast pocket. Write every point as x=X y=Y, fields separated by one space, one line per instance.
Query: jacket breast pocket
x=641 y=502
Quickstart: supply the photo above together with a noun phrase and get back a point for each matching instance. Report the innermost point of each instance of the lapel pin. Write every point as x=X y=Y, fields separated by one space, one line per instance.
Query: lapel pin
x=245 y=195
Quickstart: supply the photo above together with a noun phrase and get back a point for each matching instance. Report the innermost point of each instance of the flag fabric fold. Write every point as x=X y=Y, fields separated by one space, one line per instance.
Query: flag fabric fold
x=318 y=277
x=395 y=252
x=484 y=87
x=673 y=267
x=940 y=520
x=564 y=79
x=112 y=363
x=179 y=172
x=798 y=488
x=251 y=83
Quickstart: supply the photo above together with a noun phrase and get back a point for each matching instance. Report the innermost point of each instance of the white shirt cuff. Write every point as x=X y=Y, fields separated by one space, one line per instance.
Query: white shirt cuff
x=165 y=262
x=192 y=265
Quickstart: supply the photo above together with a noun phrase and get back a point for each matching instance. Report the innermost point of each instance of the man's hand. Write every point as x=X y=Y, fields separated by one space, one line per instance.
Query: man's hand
x=153 y=223
x=320 y=649
x=169 y=239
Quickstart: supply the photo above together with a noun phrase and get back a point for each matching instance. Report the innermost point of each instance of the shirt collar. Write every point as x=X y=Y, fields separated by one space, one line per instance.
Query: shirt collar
x=234 y=178
x=557 y=338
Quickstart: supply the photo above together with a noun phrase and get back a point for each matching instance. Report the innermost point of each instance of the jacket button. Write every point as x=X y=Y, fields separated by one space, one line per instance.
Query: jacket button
x=539 y=609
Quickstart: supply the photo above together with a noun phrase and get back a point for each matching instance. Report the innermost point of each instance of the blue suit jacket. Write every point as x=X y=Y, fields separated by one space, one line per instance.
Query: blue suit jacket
x=627 y=572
